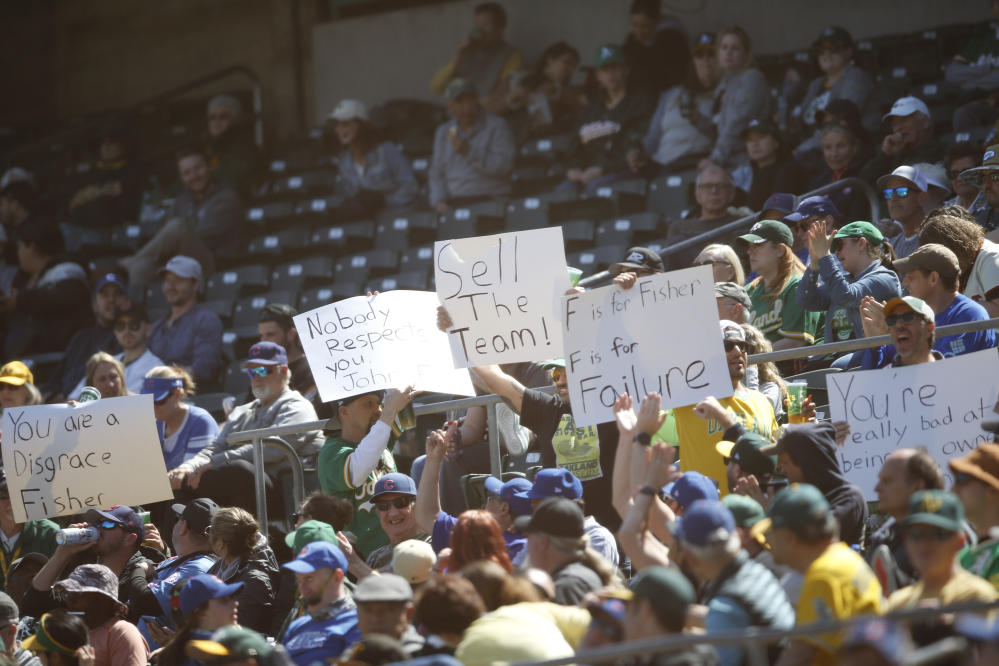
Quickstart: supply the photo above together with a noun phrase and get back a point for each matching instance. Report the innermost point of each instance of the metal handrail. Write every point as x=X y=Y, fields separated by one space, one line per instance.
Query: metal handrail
x=259 y=441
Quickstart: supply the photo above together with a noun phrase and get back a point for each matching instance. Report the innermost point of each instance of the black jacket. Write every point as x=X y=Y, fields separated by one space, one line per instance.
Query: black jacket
x=258 y=571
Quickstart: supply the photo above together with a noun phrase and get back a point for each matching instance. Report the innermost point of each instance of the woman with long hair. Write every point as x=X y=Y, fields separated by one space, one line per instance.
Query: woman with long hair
x=184 y=428
x=775 y=306
x=724 y=262
x=106 y=374
x=767 y=378
x=205 y=604
x=477 y=536
x=60 y=639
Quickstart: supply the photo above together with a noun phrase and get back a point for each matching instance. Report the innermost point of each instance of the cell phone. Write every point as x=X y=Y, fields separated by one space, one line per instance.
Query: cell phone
x=151 y=620
x=776 y=483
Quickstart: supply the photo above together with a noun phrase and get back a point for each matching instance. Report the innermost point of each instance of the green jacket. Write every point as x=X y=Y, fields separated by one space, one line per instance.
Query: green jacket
x=37 y=536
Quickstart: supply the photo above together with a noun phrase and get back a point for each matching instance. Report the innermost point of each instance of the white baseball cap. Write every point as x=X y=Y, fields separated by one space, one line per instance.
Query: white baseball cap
x=349 y=109
x=935 y=175
x=906 y=106
x=184 y=267
x=909 y=173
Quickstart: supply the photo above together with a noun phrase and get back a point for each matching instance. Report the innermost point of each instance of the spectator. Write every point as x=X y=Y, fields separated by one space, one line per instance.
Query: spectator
x=48 y=299
x=687 y=489
x=108 y=194
x=733 y=302
x=556 y=543
x=244 y=557
x=476 y=537
x=473 y=152
x=415 y=561
x=206 y=604
x=808 y=212
x=131 y=330
x=184 y=429
x=748 y=468
x=657 y=52
x=543 y=101
x=17 y=387
x=237 y=645
x=333 y=511
x=986 y=179
x=765 y=377
x=190 y=335
x=289 y=604
x=804 y=534
x=331 y=622
x=63 y=639
x=910 y=322
x=385 y=607
x=905 y=191
x=775 y=308
x=18 y=539
x=106 y=374
x=497 y=586
x=484 y=59
x=17 y=211
x=742 y=95
x=374 y=174
x=747 y=512
x=976 y=483
x=446 y=606
x=910 y=140
x=841 y=158
x=276 y=324
x=109 y=295
x=974 y=70
x=351 y=464
x=934 y=537
x=978 y=257
x=203 y=221
x=961 y=157
x=938 y=188
x=229 y=148
x=739 y=593
x=770 y=167
x=609 y=127
x=393 y=499
x=225 y=473
x=681 y=131
x=725 y=263
x=714 y=193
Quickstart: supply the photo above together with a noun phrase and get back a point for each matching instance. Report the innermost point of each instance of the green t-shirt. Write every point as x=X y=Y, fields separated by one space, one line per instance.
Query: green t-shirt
x=334 y=479
x=783 y=318
x=983 y=561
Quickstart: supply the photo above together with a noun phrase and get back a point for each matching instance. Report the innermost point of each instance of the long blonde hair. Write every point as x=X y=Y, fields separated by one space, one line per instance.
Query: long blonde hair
x=730 y=256
x=790 y=266
x=95 y=361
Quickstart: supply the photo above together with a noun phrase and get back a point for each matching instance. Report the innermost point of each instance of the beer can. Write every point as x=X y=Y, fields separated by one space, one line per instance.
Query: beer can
x=72 y=536
x=88 y=394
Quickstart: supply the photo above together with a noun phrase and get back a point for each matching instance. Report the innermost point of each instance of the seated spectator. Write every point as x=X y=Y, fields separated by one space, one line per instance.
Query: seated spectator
x=232 y=155
x=18 y=210
x=977 y=256
x=109 y=295
x=244 y=557
x=17 y=386
x=393 y=499
x=333 y=511
x=62 y=638
x=905 y=190
x=770 y=167
x=385 y=607
x=131 y=330
x=108 y=194
x=473 y=152
x=742 y=95
x=714 y=193
x=748 y=457
x=475 y=537
x=938 y=188
x=747 y=512
x=276 y=324
x=497 y=586
x=609 y=127
x=841 y=158
x=330 y=624
x=765 y=377
x=19 y=539
x=976 y=483
x=203 y=220
x=445 y=608
x=725 y=264
x=374 y=174
x=733 y=302
x=225 y=473
x=415 y=561
x=985 y=207
x=543 y=100
x=657 y=52
x=184 y=429
x=190 y=335
x=484 y=58
x=206 y=605
x=236 y=645
x=48 y=299
x=811 y=210
x=961 y=157
x=775 y=308
x=974 y=69
x=803 y=532
x=106 y=374
x=910 y=140
x=934 y=537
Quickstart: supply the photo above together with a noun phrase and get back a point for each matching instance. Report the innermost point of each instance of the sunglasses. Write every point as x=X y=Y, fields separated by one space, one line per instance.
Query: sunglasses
x=260 y=371
x=557 y=373
x=398 y=503
x=110 y=525
x=906 y=317
x=733 y=344
x=131 y=325
x=160 y=403
x=896 y=192
x=926 y=533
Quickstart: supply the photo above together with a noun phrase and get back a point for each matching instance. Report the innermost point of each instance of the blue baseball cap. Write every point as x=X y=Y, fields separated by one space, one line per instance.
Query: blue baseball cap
x=555 y=482
x=394 y=483
x=202 y=588
x=110 y=278
x=693 y=486
x=704 y=522
x=267 y=353
x=125 y=516
x=317 y=555
x=506 y=491
x=779 y=201
x=818 y=205
x=161 y=387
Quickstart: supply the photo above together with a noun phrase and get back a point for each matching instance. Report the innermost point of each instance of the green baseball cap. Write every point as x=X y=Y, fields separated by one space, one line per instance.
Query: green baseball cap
x=666 y=589
x=309 y=531
x=797 y=505
x=610 y=54
x=230 y=643
x=746 y=511
x=860 y=229
x=769 y=230
x=938 y=508
x=917 y=305
x=750 y=451
x=553 y=363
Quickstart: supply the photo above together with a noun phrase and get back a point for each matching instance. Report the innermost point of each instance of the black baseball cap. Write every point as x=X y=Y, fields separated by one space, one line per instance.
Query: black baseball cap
x=343 y=402
x=280 y=313
x=556 y=516
x=638 y=258
x=198 y=513
x=135 y=311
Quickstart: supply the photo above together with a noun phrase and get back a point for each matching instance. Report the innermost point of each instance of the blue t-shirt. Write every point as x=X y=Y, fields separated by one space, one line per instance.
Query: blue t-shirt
x=198 y=431
x=310 y=640
x=444 y=525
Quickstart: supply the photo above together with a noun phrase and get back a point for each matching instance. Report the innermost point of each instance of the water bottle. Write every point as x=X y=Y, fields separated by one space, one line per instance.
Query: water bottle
x=72 y=536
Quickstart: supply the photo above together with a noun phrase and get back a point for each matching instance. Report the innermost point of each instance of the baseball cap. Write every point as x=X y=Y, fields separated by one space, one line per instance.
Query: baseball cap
x=267 y=353
x=638 y=258
x=184 y=267
x=931 y=257
x=906 y=106
x=414 y=560
x=860 y=229
x=349 y=109
x=990 y=162
x=745 y=510
x=731 y=331
x=917 y=305
x=834 y=36
x=385 y=587
x=161 y=387
x=734 y=291
x=8 y=609
x=394 y=483
x=797 y=505
x=666 y=589
x=110 y=278
x=343 y=402
x=935 y=507
x=25 y=560
x=693 y=486
x=557 y=516
x=769 y=230
x=135 y=311
x=16 y=373
x=555 y=482
x=982 y=464
x=748 y=452
x=610 y=54
x=308 y=532
x=908 y=173
x=458 y=87
x=201 y=589
x=761 y=125
x=703 y=523
x=507 y=490
x=198 y=513
x=279 y=312
x=817 y=205
x=230 y=643
x=317 y=555
x=704 y=42
x=935 y=175
x=123 y=515
x=779 y=201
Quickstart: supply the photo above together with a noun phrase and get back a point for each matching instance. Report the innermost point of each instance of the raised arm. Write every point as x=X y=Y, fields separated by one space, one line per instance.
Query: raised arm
x=502 y=384
x=428 y=495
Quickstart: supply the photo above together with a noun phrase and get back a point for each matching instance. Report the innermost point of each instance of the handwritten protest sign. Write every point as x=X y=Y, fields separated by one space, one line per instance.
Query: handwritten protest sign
x=502 y=293
x=63 y=460
x=391 y=340
x=937 y=405
x=660 y=336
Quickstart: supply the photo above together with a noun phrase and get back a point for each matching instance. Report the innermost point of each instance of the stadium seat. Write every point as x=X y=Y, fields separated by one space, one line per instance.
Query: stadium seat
x=636 y=229
x=309 y=184
x=278 y=243
x=234 y=380
x=352 y=236
x=212 y=403
x=669 y=195
x=549 y=148
x=246 y=312
x=416 y=258
x=532 y=212
x=597 y=258
x=477 y=219
x=416 y=279
x=578 y=234
x=237 y=281
x=293 y=276
x=373 y=263
x=126 y=238
x=223 y=307
x=398 y=231
x=270 y=214
x=310 y=299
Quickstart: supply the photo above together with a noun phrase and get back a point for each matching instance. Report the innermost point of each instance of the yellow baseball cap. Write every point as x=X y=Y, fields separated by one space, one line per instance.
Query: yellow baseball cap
x=16 y=373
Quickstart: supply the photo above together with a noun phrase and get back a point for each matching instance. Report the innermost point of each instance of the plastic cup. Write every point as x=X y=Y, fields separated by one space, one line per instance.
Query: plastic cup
x=404 y=420
x=796 y=394
x=574 y=276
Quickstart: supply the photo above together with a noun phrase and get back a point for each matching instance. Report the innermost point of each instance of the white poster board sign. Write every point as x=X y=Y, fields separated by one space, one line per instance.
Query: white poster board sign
x=63 y=460
x=391 y=340
x=938 y=405
x=661 y=336
x=503 y=294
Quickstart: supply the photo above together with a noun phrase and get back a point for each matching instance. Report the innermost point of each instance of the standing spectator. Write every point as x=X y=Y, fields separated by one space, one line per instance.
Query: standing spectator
x=747 y=512
x=190 y=335
x=714 y=192
x=986 y=179
x=770 y=166
x=841 y=158
x=229 y=148
x=905 y=191
x=976 y=483
x=658 y=55
x=484 y=59
x=276 y=324
x=476 y=537
x=473 y=152
x=106 y=374
x=374 y=174
x=445 y=608
x=203 y=220
x=910 y=140
x=17 y=388
x=978 y=257
x=109 y=193
x=961 y=157
x=19 y=539
x=184 y=429
x=909 y=321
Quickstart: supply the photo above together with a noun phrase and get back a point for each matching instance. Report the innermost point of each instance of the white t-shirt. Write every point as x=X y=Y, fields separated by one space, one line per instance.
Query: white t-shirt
x=985 y=273
x=135 y=372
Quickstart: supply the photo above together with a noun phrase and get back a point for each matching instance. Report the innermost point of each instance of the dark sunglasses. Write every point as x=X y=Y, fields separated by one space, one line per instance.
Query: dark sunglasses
x=732 y=344
x=260 y=371
x=131 y=325
x=398 y=503
x=160 y=403
x=110 y=525
x=927 y=533
x=906 y=317
x=295 y=516
x=897 y=192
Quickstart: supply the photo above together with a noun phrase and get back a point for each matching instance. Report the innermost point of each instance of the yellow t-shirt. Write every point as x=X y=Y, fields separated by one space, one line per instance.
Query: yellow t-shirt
x=528 y=631
x=837 y=585
x=963 y=586
x=698 y=437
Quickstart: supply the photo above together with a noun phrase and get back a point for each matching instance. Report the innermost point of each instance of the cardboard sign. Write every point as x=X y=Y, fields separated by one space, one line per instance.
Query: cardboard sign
x=62 y=460
x=391 y=340
x=502 y=293
x=661 y=336
x=938 y=405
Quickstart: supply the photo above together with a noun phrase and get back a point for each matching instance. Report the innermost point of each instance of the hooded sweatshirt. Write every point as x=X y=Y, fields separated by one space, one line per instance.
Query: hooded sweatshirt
x=812 y=446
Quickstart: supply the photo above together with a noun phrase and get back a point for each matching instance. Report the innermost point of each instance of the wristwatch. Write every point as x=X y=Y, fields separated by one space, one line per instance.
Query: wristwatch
x=648 y=490
x=643 y=438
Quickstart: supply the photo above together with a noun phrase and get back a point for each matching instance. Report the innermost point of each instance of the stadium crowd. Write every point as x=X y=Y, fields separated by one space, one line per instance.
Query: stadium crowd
x=695 y=522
